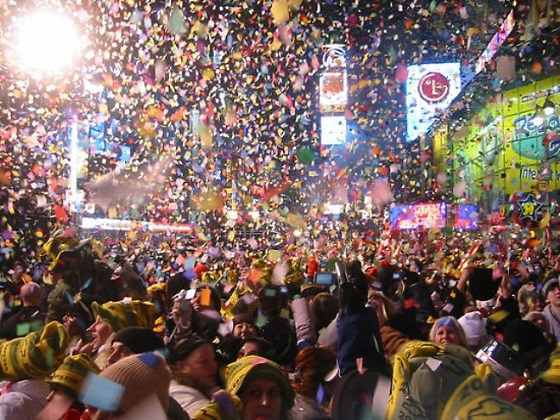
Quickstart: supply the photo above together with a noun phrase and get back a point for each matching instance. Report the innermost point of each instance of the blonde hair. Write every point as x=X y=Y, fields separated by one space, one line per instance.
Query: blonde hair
x=449 y=321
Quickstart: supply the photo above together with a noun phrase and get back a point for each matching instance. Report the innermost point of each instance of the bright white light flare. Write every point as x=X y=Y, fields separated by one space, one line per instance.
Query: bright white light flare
x=47 y=42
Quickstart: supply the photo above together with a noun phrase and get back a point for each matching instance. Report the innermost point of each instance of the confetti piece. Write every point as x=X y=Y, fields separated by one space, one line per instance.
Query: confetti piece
x=176 y=23
x=280 y=10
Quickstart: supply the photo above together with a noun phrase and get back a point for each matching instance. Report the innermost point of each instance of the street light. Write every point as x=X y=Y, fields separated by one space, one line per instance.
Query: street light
x=46 y=42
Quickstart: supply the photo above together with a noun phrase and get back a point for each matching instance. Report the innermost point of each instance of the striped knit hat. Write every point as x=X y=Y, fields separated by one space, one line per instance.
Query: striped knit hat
x=141 y=375
x=126 y=314
x=72 y=372
x=34 y=356
x=242 y=370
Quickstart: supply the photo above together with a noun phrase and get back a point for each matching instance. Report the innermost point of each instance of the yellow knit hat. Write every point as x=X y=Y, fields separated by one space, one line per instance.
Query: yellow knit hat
x=156 y=288
x=72 y=372
x=34 y=356
x=124 y=314
x=238 y=372
x=472 y=400
x=58 y=245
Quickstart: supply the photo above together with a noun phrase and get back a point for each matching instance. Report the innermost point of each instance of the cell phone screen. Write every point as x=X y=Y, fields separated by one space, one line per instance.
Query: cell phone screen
x=325 y=279
x=205 y=297
x=270 y=292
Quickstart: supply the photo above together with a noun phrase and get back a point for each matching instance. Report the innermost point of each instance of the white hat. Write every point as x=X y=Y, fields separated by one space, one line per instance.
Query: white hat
x=474 y=325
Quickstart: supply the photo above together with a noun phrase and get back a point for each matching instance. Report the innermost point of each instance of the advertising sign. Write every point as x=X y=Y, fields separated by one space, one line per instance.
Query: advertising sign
x=333 y=95
x=333 y=92
x=496 y=42
x=512 y=145
x=333 y=129
x=417 y=216
x=430 y=89
x=466 y=216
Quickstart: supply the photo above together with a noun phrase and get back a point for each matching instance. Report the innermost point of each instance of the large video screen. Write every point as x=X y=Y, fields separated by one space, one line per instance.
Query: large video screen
x=333 y=129
x=466 y=217
x=418 y=216
x=333 y=92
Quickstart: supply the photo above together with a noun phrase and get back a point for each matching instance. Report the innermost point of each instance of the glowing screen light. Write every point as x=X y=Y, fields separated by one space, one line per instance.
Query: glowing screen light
x=46 y=42
x=333 y=129
x=333 y=95
x=430 y=89
x=418 y=216
x=333 y=88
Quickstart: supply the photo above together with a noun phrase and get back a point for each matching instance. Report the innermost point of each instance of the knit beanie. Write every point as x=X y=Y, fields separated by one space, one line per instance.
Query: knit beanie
x=60 y=244
x=549 y=285
x=72 y=372
x=184 y=347
x=34 y=356
x=139 y=339
x=474 y=326
x=140 y=375
x=124 y=314
x=243 y=370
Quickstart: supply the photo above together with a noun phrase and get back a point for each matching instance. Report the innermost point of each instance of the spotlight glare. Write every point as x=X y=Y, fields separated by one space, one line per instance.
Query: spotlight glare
x=47 y=42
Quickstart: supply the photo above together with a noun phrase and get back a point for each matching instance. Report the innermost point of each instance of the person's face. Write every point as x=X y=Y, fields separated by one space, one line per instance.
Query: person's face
x=262 y=400
x=244 y=330
x=554 y=296
x=249 y=348
x=200 y=367
x=118 y=351
x=446 y=335
x=72 y=325
x=534 y=304
x=100 y=330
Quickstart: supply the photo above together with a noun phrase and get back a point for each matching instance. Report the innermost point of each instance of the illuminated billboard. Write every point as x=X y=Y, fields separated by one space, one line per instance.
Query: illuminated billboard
x=417 y=216
x=430 y=89
x=333 y=92
x=496 y=42
x=333 y=129
x=513 y=144
x=333 y=95
x=466 y=216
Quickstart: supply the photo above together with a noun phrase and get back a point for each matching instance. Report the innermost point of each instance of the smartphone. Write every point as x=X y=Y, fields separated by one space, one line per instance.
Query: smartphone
x=325 y=279
x=205 y=297
x=190 y=294
x=270 y=292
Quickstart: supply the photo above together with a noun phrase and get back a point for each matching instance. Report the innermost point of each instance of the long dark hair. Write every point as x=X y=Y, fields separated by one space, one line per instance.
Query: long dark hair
x=353 y=292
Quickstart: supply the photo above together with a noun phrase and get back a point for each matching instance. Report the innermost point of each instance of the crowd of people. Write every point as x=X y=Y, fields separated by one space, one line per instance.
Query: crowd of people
x=422 y=325
x=203 y=115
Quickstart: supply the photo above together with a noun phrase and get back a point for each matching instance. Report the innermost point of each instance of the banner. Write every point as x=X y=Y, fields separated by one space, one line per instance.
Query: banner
x=430 y=89
x=496 y=42
x=512 y=145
